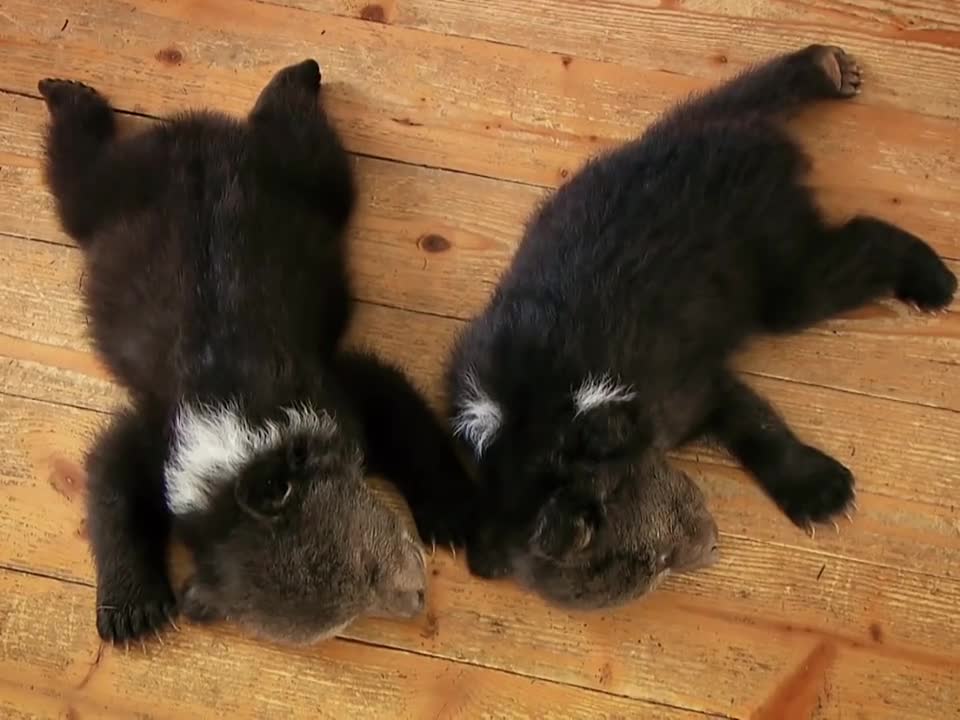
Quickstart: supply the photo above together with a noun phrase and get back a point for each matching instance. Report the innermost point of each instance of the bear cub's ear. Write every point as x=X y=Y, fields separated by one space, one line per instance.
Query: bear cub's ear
x=265 y=487
x=609 y=433
x=566 y=525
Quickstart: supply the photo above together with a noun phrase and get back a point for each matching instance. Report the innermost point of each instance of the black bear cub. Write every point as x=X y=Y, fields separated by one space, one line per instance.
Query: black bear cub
x=218 y=296
x=609 y=338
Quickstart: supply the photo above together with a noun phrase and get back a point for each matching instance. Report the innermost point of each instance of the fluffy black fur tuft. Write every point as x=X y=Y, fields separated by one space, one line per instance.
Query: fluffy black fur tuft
x=218 y=296
x=609 y=337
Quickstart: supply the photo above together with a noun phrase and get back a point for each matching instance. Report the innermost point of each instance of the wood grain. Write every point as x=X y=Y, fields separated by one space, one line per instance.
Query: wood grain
x=453 y=102
x=53 y=663
x=904 y=525
x=463 y=115
x=421 y=231
x=755 y=616
x=706 y=38
x=40 y=304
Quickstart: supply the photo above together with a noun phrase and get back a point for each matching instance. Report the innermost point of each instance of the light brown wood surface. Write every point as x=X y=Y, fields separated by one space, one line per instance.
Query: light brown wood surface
x=462 y=116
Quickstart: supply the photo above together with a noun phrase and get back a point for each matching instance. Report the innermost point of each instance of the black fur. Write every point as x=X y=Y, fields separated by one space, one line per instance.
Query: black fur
x=129 y=525
x=404 y=444
x=216 y=278
x=652 y=266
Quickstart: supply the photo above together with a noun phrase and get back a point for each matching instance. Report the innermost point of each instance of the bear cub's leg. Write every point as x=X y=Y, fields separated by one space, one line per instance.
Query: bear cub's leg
x=407 y=444
x=291 y=93
x=808 y=485
x=851 y=265
x=786 y=83
x=296 y=145
x=129 y=527
x=82 y=125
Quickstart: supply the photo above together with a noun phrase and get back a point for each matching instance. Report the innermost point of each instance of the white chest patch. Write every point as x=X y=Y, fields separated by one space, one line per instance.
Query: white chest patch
x=212 y=443
x=600 y=390
x=478 y=417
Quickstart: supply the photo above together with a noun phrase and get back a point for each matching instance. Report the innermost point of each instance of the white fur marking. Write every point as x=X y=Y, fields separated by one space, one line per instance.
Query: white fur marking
x=212 y=443
x=596 y=391
x=478 y=418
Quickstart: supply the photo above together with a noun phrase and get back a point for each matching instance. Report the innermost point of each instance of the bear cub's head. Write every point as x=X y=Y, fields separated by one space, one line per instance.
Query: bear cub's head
x=289 y=540
x=617 y=540
x=585 y=508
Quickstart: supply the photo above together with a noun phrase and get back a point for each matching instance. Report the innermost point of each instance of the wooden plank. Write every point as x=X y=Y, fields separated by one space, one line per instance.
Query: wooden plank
x=908 y=485
x=39 y=305
x=907 y=517
x=53 y=664
x=886 y=179
x=863 y=165
x=752 y=620
x=922 y=534
x=886 y=350
x=397 y=260
x=423 y=111
x=705 y=38
x=57 y=374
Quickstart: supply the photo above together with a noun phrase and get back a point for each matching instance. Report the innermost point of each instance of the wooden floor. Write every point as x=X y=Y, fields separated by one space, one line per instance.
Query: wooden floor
x=462 y=114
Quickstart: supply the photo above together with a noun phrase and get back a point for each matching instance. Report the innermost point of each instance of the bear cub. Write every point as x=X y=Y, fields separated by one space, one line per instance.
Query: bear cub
x=608 y=340
x=218 y=297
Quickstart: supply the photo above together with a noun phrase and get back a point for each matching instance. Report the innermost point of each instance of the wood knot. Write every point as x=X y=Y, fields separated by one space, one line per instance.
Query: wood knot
x=66 y=478
x=373 y=13
x=876 y=633
x=169 y=56
x=721 y=59
x=433 y=243
x=566 y=60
